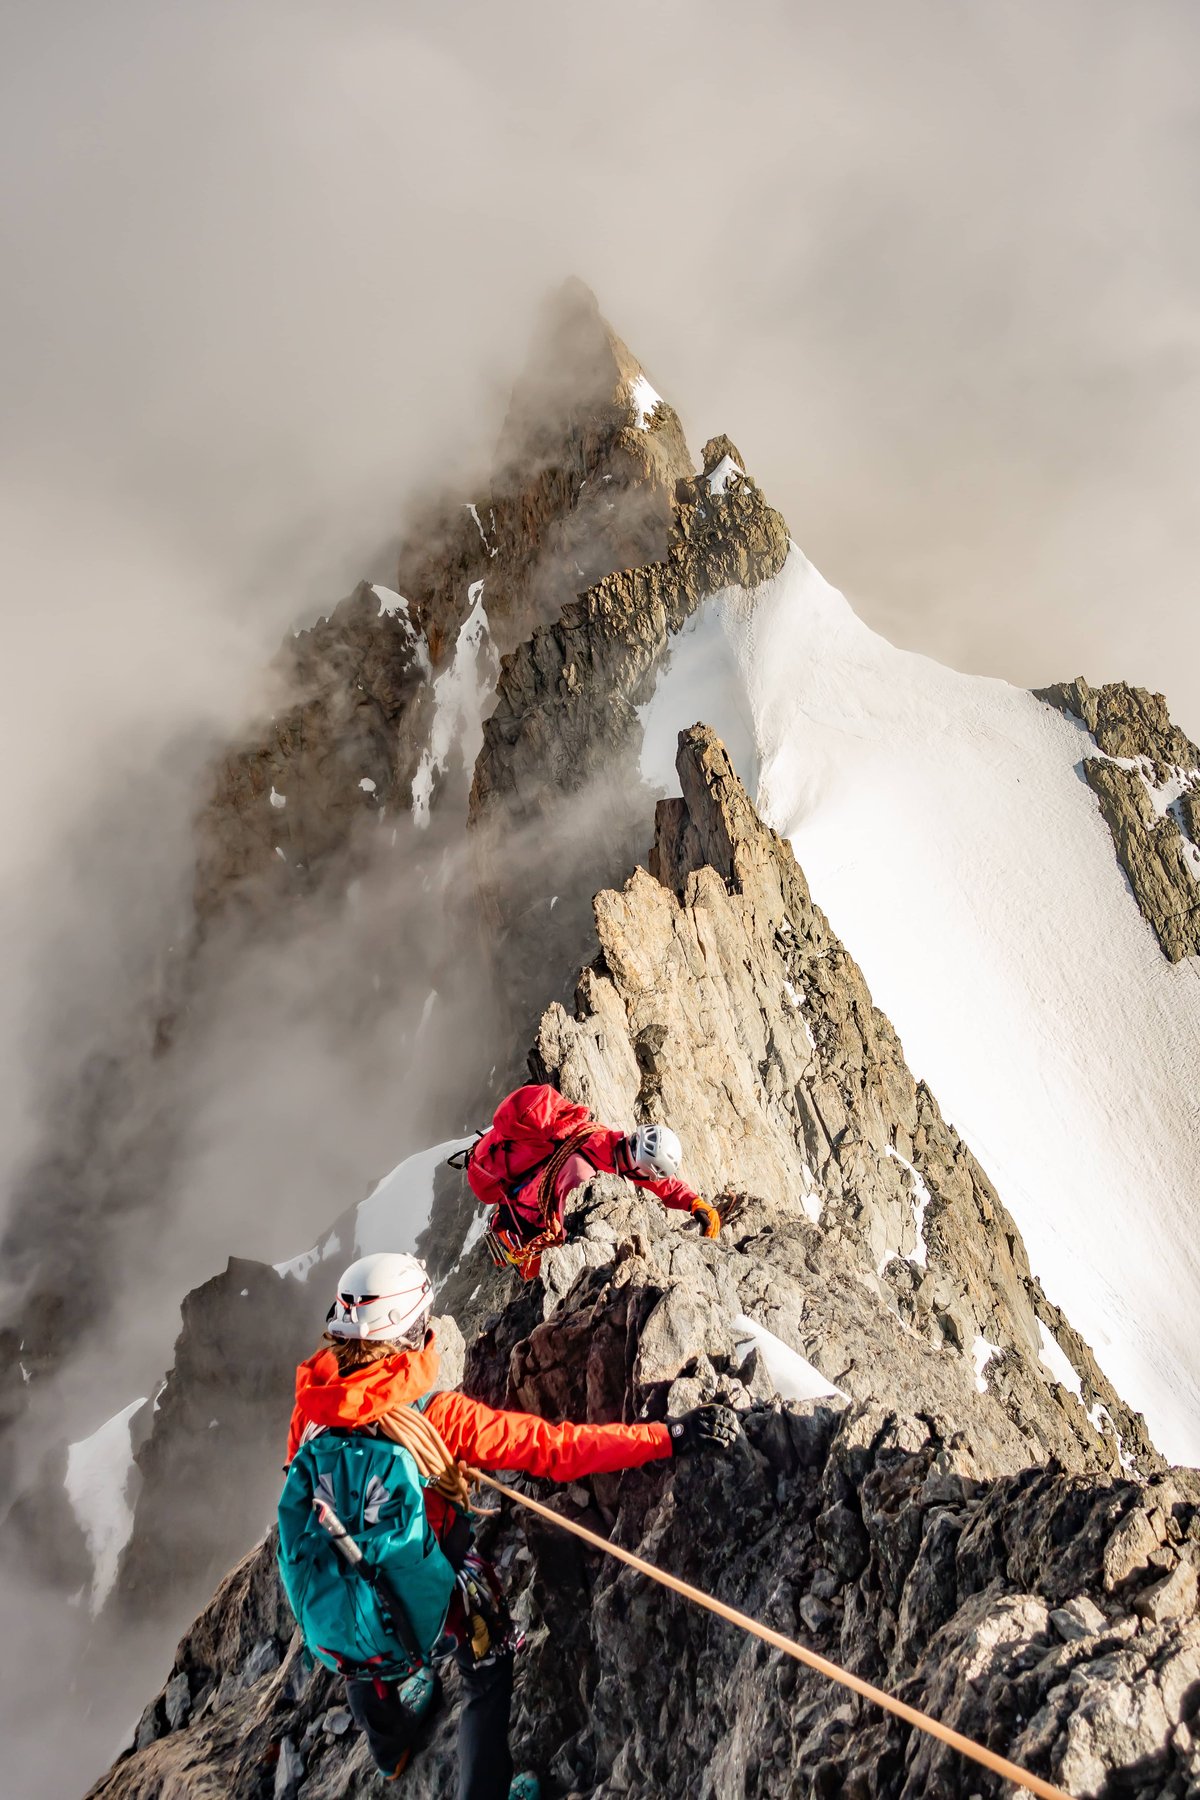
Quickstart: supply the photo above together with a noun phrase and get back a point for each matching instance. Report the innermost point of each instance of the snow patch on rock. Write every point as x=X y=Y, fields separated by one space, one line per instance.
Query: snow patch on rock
x=792 y=1375
x=300 y=1267
x=981 y=1355
x=471 y=508
x=393 y=605
x=727 y=474
x=920 y=1200
x=460 y=694
x=644 y=401
x=1055 y=1358
x=97 y=1484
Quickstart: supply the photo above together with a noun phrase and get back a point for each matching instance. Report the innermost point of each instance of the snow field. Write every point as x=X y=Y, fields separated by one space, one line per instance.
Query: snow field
x=945 y=828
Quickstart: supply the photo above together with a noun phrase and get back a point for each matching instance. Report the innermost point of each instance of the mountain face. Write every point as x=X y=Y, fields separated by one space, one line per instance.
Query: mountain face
x=947 y=825
x=952 y=1524
x=975 y=1512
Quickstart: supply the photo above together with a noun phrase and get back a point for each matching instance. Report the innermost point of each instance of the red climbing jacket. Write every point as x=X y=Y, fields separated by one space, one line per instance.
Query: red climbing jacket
x=529 y=1125
x=475 y=1434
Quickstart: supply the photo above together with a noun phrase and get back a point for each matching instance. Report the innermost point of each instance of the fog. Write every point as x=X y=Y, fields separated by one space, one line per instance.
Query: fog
x=269 y=272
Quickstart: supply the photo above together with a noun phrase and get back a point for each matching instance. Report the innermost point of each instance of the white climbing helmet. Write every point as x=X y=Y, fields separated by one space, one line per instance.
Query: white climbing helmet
x=384 y=1296
x=654 y=1150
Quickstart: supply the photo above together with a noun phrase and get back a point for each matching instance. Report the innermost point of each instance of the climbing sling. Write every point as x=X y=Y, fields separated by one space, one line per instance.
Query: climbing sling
x=999 y=1765
x=517 y=1243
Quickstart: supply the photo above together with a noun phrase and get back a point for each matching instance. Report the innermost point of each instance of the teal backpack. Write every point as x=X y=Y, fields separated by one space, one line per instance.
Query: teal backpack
x=363 y=1572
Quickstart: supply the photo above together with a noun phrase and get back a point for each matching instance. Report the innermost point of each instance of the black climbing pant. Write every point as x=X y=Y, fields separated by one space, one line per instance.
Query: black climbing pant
x=484 y=1764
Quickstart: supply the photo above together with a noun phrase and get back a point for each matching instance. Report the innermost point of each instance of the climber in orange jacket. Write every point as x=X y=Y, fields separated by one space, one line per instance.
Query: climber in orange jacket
x=540 y=1147
x=380 y=1360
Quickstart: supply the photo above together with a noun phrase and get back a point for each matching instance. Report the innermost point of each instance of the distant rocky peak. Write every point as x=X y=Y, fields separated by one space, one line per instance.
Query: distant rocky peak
x=584 y=472
x=578 y=371
x=1126 y=721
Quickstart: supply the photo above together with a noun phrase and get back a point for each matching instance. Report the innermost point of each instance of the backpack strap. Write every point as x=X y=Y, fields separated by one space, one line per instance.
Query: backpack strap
x=461 y=1158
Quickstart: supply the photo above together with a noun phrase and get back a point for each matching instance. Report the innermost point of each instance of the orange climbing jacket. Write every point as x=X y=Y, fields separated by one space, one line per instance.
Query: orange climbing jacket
x=476 y=1434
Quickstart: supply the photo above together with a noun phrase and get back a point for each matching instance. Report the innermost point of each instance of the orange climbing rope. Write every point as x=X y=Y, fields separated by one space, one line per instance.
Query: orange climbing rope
x=999 y=1765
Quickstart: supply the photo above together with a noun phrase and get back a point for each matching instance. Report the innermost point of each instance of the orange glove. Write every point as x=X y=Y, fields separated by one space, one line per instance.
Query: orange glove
x=709 y=1217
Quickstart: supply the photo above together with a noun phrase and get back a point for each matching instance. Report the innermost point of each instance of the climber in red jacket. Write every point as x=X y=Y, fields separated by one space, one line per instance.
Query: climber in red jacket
x=379 y=1359
x=541 y=1147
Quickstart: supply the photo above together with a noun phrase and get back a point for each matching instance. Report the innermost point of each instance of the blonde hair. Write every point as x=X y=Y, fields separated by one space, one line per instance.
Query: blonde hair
x=359 y=1353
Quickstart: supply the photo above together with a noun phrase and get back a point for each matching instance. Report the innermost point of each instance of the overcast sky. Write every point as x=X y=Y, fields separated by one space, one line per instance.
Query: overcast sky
x=934 y=266
x=270 y=265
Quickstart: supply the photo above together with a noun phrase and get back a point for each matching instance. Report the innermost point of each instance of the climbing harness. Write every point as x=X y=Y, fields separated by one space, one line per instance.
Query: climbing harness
x=966 y=1746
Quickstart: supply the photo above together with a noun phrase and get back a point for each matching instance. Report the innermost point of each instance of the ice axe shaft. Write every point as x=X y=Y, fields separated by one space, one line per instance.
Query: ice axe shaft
x=350 y=1553
x=343 y=1543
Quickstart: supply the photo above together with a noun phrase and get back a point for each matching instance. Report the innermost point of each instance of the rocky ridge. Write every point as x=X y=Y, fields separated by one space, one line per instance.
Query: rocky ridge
x=971 y=1542
x=546 y=737
x=557 y=785
x=1146 y=778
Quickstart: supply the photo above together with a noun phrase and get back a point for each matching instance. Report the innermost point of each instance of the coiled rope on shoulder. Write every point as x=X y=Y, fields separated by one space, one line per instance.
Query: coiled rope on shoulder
x=999 y=1765
x=408 y=1427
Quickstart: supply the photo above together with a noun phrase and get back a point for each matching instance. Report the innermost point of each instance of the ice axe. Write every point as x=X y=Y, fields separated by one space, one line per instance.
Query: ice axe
x=353 y=1557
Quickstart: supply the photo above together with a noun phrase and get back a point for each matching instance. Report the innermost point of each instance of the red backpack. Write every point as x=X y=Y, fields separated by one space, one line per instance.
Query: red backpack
x=527 y=1128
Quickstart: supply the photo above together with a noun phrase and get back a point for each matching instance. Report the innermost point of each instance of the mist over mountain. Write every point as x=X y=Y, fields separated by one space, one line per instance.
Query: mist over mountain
x=416 y=695
x=398 y=875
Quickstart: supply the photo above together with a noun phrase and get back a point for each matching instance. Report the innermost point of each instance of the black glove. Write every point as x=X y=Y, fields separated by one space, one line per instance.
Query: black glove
x=705 y=1428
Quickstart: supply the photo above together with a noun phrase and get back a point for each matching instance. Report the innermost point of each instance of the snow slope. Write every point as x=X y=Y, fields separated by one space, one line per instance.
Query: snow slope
x=944 y=825
x=395 y=1214
x=392 y=1217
